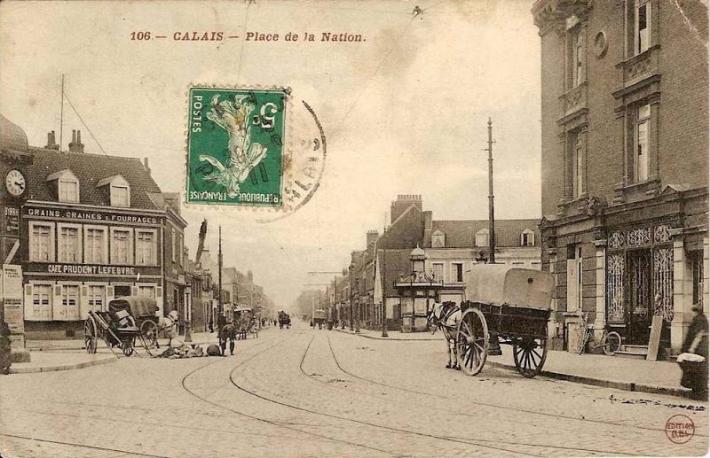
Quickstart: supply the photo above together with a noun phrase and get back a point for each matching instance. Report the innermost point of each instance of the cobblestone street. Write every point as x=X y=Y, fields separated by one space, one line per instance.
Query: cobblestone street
x=303 y=392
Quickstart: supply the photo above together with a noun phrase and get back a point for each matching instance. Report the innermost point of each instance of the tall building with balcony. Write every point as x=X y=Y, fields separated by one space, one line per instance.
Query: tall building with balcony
x=625 y=163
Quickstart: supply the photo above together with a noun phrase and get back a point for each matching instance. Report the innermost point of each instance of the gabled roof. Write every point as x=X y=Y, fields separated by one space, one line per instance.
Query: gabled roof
x=116 y=180
x=89 y=169
x=461 y=234
x=66 y=173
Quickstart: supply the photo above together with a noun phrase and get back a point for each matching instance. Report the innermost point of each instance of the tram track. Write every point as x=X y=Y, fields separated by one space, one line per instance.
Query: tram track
x=557 y=447
x=492 y=405
x=266 y=420
x=464 y=414
x=375 y=425
x=85 y=446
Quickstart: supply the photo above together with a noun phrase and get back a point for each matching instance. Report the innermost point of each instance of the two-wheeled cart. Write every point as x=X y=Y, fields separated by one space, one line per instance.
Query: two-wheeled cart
x=504 y=306
x=127 y=319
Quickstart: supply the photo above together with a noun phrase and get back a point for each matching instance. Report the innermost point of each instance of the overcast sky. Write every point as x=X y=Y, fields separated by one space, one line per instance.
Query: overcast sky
x=404 y=112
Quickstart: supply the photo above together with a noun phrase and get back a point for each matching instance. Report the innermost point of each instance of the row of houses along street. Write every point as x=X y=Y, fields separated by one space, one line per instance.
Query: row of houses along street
x=624 y=223
x=80 y=229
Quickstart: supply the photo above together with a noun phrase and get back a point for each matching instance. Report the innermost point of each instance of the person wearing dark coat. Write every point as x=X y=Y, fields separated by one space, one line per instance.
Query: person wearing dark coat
x=228 y=332
x=695 y=376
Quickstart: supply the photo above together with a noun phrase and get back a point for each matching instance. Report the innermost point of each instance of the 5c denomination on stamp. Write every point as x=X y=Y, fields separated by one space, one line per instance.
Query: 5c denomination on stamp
x=235 y=146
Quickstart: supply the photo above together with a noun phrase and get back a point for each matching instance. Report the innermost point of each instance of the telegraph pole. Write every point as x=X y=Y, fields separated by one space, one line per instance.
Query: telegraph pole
x=491 y=213
x=220 y=315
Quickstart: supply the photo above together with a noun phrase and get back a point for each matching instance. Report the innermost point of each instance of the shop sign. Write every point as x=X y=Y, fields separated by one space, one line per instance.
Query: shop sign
x=11 y=284
x=12 y=220
x=89 y=216
x=93 y=270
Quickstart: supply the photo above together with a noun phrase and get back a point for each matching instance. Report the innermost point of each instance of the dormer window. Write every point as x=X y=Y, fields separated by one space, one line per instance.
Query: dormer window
x=527 y=238
x=438 y=239
x=67 y=185
x=482 y=238
x=119 y=190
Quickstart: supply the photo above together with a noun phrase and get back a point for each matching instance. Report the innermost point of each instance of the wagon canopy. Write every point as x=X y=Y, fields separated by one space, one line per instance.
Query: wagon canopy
x=319 y=314
x=240 y=309
x=138 y=306
x=501 y=284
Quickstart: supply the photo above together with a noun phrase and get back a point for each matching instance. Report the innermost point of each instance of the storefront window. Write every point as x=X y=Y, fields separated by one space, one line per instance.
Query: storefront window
x=40 y=301
x=70 y=303
x=147 y=291
x=97 y=295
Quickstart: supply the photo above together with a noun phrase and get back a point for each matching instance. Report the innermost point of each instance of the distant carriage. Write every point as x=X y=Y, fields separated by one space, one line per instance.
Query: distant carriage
x=319 y=318
x=284 y=320
x=127 y=319
x=245 y=322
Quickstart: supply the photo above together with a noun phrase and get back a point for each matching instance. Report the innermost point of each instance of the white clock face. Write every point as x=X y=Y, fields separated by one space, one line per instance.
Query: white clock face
x=15 y=183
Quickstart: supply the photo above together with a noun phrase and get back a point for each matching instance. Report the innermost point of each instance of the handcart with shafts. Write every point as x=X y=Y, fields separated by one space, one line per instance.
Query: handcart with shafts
x=504 y=306
x=127 y=319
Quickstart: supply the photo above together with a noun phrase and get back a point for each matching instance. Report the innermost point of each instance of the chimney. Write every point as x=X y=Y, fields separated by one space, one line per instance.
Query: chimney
x=427 y=228
x=52 y=141
x=75 y=146
x=146 y=165
x=370 y=239
x=403 y=202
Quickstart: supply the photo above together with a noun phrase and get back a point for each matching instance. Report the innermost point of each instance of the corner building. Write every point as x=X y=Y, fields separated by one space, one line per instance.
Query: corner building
x=93 y=228
x=625 y=163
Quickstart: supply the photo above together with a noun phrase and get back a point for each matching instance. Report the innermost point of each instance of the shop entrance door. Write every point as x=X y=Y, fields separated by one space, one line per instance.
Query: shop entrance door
x=639 y=264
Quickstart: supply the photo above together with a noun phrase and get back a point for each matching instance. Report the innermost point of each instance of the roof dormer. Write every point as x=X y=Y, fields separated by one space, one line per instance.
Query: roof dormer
x=119 y=190
x=66 y=185
x=438 y=239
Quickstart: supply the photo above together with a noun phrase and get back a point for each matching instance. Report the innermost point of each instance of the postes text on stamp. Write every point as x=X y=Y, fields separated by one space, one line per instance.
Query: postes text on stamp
x=235 y=146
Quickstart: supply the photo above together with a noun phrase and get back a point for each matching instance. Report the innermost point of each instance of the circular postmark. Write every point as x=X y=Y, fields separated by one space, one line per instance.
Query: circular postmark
x=680 y=429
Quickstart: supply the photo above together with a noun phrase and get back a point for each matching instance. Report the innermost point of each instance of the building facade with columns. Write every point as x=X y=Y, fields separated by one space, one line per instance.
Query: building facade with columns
x=625 y=163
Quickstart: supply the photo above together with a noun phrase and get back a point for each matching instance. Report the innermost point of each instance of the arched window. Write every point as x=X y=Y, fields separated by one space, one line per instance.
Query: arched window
x=482 y=238
x=527 y=238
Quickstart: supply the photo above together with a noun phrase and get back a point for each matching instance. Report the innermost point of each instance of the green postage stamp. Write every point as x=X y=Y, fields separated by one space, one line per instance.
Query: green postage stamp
x=235 y=146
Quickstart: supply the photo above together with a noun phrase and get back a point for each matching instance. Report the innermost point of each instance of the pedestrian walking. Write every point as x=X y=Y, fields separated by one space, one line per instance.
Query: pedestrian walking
x=227 y=333
x=694 y=357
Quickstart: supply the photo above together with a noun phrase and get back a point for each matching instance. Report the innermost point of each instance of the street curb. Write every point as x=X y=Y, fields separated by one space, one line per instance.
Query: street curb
x=389 y=339
x=62 y=367
x=625 y=386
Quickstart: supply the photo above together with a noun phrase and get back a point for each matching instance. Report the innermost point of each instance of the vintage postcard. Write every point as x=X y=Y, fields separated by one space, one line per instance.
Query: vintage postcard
x=337 y=228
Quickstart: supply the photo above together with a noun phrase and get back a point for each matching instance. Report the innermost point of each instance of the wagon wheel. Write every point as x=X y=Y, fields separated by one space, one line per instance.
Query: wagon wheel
x=90 y=337
x=127 y=345
x=611 y=343
x=530 y=355
x=472 y=341
x=149 y=334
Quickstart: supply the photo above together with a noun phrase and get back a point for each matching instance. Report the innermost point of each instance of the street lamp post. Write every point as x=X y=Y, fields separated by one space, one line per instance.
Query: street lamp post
x=350 y=281
x=384 y=293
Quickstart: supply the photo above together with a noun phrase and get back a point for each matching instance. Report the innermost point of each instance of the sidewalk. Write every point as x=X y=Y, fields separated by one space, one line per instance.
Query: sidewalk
x=660 y=377
x=198 y=338
x=45 y=361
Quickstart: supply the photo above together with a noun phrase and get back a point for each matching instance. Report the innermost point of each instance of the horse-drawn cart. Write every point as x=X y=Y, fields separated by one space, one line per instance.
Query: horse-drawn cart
x=245 y=322
x=504 y=306
x=127 y=319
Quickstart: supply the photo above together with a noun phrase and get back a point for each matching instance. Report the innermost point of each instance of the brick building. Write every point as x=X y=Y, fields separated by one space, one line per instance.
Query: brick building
x=450 y=248
x=625 y=162
x=93 y=228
